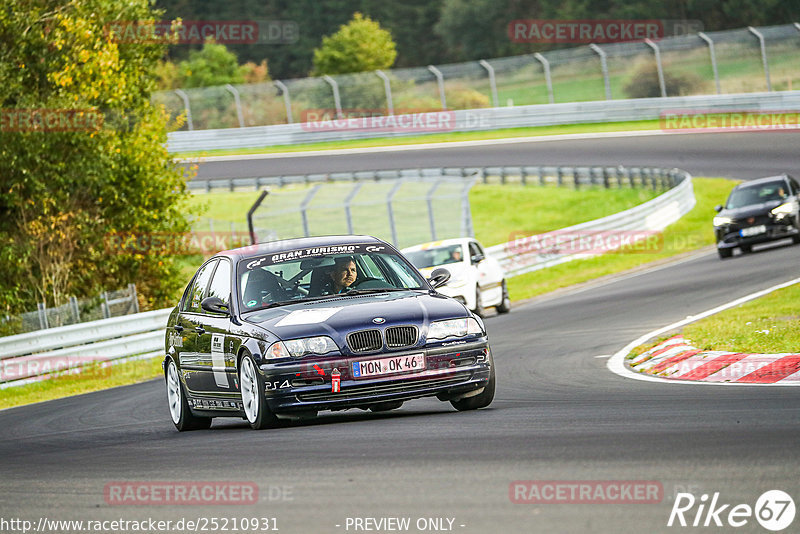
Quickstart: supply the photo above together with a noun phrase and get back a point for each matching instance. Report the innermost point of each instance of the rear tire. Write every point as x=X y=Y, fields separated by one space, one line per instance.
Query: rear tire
x=181 y=414
x=254 y=401
x=505 y=303
x=724 y=253
x=796 y=239
x=482 y=400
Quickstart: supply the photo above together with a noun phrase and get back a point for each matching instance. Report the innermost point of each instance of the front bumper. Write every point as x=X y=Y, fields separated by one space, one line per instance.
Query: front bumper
x=450 y=371
x=730 y=238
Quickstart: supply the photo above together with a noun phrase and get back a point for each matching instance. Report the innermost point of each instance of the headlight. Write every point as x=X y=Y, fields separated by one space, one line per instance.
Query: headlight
x=722 y=221
x=297 y=348
x=783 y=209
x=454 y=328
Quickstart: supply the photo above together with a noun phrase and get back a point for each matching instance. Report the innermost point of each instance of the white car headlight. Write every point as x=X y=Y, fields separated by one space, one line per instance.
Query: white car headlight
x=721 y=221
x=297 y=348
x=454 y=328
x=784 y=209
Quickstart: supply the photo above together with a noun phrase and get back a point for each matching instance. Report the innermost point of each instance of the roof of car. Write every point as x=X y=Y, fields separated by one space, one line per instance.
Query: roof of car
x=298 y=243
x=762 y=181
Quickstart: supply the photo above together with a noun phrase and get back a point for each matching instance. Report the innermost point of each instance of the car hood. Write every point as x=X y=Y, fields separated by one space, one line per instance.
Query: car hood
x=338 y=316
x=752 y=210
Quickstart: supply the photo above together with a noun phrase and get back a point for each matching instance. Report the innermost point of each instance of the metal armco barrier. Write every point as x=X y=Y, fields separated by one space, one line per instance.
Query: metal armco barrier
x=38 y=355
x=486 y=119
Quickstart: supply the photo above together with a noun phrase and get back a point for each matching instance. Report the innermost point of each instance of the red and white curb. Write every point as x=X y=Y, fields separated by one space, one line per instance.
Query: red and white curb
x=677 y=359
x=763 y=370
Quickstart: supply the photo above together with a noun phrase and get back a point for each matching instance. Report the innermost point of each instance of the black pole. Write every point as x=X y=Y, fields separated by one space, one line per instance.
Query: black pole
x=250 y=212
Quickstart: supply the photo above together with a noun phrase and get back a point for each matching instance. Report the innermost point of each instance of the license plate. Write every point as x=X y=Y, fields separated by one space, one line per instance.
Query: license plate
x=388 y=366
x=753 y=230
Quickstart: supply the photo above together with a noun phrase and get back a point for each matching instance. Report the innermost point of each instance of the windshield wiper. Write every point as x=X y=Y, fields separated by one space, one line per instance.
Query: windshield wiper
x=377 y=290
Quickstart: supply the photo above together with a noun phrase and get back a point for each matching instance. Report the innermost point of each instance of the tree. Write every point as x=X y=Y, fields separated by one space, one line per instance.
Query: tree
x=359 y=46
x=212 y=65
x=83 y=156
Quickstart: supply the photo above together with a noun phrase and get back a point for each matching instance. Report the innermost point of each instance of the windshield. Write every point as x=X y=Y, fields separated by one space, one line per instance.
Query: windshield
x=321 y=272
x=747 y=196
x=435 y=256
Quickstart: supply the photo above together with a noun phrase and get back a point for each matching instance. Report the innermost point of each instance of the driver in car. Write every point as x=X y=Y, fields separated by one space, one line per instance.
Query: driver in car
x=343 y=275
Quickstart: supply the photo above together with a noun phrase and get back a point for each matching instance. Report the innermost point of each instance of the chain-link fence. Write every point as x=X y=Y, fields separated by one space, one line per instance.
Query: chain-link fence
x=107 y=304
x=732 y=61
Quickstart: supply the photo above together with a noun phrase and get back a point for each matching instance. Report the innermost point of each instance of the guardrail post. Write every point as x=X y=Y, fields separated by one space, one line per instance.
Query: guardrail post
x=523 y=175
x=604 y=67
x=238 y=103
x=492 y=82
x=304 y=208
x=336 y=100
x=387 y=88
x=713 y=54
x=134 y=300
x=187 y=107
x=439 y=80
x=659 y=67
x=104 y=305
x=390 y=211
x=287 y=100
x=541 y=175
x=347 y=202
x=576 y=179
x=606 y=182
x=42 y=309
x=429 y=201
x=76 y=313
x=763 y=45
x=548 y=80
x=560 y=176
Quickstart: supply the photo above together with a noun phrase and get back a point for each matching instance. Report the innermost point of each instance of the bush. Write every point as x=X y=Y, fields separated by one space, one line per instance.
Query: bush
x=643 y=83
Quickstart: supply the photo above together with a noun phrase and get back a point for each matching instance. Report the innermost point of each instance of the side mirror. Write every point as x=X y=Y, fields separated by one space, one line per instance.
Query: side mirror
x=214 y=305
x=439 y=277
x=477 y=258
x=718 y=208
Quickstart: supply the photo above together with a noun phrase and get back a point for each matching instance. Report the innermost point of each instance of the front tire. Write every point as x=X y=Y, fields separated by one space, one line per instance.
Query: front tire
x=746 y=249
x=254 y=401
x=479 y=310
x=505 y=304
x=181 y=414
x=482 y=400
x=724 y=253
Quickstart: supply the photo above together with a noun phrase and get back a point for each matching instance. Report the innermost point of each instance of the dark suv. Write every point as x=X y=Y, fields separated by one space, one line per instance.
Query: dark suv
x=758 y=211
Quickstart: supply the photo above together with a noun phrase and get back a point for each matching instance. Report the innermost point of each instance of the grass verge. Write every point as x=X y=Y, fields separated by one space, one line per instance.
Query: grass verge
x=92 y=378
x=436 y=138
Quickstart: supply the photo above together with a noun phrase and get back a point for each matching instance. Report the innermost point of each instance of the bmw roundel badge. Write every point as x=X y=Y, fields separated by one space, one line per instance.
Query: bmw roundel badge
x=379 y=320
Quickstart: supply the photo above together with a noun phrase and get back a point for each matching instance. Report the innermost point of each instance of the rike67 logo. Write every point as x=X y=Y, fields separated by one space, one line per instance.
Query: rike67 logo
x=774 y=510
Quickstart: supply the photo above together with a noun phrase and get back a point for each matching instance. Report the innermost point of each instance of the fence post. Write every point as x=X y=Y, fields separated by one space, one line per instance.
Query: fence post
x=287 y=100
x=659 y=67
x=606 y=182
x=76 y=313
x=387 y=88
x=541 y=175
x=250 y=212
x=576 y=179
x=763 y=45
x=429 y=201
x=187 y=107
x=134 y=300
x=713 y=54
x=560 y=176
x=548 y=80
x=42 y=309
x=238 y=103
x=389 y=199
x=347 y=202
x=336 y=100
x=604 y=67
x=492 y=81
x=304 y=208
x=466 y=213
x=440 y=80
x=104 y=305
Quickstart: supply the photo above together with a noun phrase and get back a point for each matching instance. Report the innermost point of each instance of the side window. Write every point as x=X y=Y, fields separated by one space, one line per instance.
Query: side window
x=474 y=249
x=197 y=288
x=795 y=187
x=221 y=283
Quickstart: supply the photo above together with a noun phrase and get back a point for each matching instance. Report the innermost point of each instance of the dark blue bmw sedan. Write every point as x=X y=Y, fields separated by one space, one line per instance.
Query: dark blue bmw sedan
x=289 y=328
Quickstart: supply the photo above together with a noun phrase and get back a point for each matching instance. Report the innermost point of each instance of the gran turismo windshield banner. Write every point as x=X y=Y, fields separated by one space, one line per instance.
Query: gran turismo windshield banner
x=315 y=252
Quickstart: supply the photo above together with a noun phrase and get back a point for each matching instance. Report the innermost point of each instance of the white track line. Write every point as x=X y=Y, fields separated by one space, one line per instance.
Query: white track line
x=616 y=364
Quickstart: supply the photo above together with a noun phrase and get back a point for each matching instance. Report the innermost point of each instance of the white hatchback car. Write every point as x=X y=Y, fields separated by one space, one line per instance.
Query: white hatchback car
x=476 y=280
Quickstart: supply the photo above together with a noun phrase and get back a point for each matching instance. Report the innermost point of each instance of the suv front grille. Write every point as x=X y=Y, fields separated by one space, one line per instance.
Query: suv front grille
x=401 y=336
x=365 y=340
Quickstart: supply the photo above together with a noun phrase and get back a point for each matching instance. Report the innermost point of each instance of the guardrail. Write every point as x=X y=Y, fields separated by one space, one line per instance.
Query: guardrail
x=531 y=253
x=30 y=357
x=33 y=356
x=483 y=120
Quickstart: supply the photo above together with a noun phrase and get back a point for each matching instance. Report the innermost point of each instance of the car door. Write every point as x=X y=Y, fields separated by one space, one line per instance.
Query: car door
x=191 y=324
x=213 y=340
x=489 y=275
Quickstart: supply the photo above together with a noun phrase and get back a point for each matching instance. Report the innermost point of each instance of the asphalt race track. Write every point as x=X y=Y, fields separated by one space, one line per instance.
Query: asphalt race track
x=740 y=155
x=559 y=414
